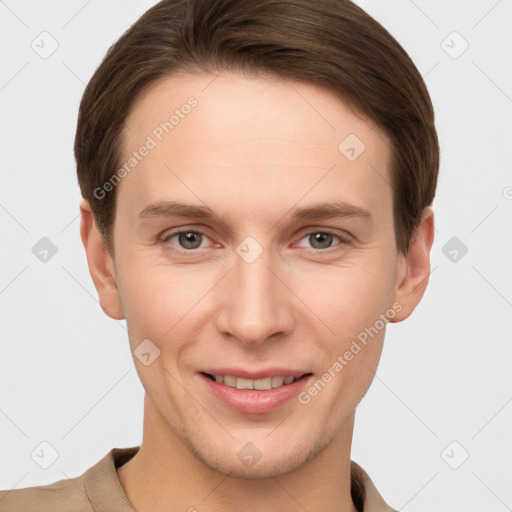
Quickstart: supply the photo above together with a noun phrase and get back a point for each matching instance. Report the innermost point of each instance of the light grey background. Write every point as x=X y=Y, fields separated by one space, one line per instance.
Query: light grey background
x=66 y=372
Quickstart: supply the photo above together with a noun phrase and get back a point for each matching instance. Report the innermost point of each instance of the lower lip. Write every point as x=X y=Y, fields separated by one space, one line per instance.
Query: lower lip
x=251 y=401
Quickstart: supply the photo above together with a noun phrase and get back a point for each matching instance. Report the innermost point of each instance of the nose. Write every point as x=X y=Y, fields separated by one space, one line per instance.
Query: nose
x=254 y=303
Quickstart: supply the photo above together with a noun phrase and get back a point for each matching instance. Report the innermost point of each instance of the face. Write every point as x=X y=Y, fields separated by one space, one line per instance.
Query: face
x=251 y=246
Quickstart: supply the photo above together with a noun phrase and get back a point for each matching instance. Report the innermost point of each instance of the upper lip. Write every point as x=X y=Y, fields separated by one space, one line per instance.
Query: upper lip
x=256 y=374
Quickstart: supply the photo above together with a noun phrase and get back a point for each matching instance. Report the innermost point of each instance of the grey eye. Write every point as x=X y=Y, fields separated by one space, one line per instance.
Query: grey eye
x=321 y=240
x=188 y=239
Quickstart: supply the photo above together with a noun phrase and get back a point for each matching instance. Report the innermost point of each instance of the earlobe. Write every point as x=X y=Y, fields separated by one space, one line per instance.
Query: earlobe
x=101 y=266
x=413 y=284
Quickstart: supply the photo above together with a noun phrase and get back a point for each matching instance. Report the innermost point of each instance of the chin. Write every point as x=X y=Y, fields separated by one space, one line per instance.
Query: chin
x=270 y=460
x=266 y=468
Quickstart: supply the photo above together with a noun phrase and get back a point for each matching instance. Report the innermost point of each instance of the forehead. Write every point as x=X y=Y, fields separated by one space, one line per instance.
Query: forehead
x=261 y=136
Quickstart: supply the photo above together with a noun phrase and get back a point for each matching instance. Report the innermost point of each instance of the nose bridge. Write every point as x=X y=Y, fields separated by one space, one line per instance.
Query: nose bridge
x=255 y=305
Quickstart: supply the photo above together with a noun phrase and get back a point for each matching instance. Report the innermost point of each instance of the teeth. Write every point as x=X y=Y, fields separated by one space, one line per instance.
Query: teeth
x=263 y=384
x=259 y=384
x=229 y=380
x=244 y=383
x=277 y=381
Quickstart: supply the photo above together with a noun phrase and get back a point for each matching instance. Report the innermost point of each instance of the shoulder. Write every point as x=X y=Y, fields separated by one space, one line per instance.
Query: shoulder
x=64 y=495
x=365 y=495
x=96 y=489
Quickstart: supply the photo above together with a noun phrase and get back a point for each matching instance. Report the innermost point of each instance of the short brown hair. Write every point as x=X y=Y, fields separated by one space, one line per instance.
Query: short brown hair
x=331 y=43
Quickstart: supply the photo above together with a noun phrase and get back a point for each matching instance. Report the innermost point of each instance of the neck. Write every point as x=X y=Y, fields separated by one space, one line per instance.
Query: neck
x=165 y=475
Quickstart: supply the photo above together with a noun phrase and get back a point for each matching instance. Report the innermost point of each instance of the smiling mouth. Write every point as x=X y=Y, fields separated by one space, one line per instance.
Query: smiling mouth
x=264 y=384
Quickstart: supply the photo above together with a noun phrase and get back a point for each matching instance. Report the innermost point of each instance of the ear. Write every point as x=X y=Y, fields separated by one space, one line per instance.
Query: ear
x=415 y=273
x=101 y=265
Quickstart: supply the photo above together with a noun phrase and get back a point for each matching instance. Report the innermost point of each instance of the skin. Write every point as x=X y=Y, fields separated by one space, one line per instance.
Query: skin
x=253 y=149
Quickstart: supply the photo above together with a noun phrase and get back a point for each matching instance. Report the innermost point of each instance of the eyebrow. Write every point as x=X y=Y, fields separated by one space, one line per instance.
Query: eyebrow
x=329 y=210
x=177 y=209
x=316 y=211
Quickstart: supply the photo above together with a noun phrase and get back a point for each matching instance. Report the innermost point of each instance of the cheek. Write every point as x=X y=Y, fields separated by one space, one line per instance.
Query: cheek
x=159 y=300
x=348 y=298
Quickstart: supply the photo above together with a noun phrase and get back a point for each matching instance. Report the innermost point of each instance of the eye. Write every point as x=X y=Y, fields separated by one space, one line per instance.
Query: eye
x=191 y=240
x=321 y=239
x=187 y=239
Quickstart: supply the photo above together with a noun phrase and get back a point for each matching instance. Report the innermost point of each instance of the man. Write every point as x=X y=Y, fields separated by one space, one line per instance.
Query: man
x=257 y=181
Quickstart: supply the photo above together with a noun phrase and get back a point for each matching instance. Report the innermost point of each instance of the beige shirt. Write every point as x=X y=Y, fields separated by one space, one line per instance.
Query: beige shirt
x=99 y=490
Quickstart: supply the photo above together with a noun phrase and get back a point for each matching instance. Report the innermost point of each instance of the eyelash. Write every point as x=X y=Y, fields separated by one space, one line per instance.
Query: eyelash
x=343 y=240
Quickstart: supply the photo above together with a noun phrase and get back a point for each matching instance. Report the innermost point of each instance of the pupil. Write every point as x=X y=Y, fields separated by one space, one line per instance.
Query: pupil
x=189 y=240
x=321 y=238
